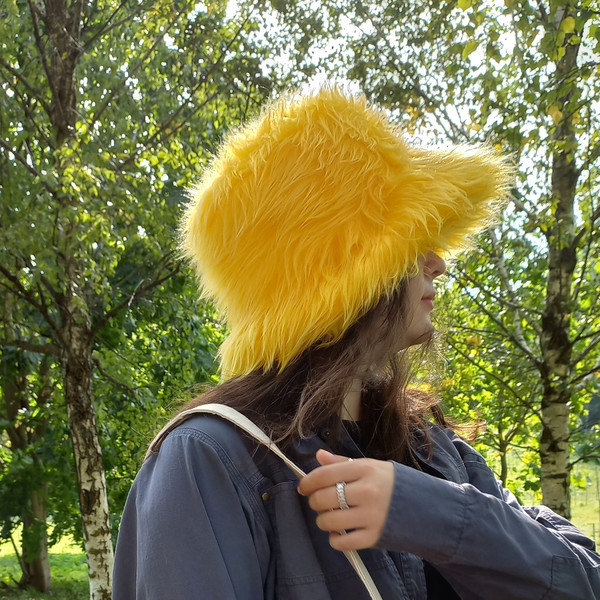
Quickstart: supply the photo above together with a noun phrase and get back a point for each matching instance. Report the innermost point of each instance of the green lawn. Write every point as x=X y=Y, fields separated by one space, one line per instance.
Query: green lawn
x=585 y=502
x=69 y=574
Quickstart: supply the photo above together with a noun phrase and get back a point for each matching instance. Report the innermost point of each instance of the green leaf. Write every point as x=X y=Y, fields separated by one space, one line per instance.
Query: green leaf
x=568 y=25
x=469 y=48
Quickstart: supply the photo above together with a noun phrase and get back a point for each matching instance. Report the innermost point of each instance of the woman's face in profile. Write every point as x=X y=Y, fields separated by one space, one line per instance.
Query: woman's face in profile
x=420 y=292
x=417 y=299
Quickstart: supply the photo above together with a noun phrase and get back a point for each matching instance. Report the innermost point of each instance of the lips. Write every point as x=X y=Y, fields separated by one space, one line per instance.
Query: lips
x=428 y=300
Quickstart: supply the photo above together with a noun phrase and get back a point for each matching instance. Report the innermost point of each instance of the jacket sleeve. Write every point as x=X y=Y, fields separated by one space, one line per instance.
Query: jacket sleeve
x=487 y=546
x=188 y=529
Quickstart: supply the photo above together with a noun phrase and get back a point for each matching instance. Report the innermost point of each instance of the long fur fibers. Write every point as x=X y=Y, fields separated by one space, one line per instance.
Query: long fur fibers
x=313 y=211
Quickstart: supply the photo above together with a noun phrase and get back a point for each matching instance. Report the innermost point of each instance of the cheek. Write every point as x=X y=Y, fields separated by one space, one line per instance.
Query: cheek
x=414 y=293
x=416 y=322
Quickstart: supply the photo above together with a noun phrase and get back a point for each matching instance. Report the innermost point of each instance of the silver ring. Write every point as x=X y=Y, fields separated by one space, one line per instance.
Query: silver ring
x=340 y=488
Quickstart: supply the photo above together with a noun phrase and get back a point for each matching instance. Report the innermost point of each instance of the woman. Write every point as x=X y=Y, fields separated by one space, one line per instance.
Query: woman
x=319 y=233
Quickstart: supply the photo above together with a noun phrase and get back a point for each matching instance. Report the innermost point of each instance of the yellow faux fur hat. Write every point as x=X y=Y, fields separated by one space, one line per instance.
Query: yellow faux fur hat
x=311 y=213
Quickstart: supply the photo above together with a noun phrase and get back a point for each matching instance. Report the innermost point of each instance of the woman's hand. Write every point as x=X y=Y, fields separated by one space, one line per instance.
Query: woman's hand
x=368 y=490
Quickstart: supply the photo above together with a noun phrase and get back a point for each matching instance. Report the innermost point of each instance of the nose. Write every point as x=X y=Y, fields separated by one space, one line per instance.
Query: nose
x=434 y=265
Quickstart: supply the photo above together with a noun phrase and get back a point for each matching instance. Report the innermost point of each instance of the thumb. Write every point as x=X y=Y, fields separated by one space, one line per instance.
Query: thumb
x=327 y=458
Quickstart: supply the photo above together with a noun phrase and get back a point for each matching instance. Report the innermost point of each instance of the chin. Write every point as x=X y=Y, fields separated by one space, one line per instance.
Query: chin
x=421 y=338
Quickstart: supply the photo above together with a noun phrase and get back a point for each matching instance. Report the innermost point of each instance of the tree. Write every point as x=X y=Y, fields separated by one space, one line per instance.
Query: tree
x=105 y=108
x=26 y=392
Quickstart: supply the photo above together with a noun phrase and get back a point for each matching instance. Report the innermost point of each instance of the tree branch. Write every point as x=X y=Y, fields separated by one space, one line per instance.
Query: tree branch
x=516 y=199
x=582 y=379
x=519 y=422
x=457 y=133
x=583 y=270
x=41 y=50
x=584 y=458
x=525 y=349
x=110 y=378
x=20 y=290
x=29 y=167
x=586 y=227
x=118 y=89
x=74 y=21
x=498 y=258
x=53 y=292
x=198 y=106
x=500 y=299
x=543 y=13
x=489 y=373
x=32 y=347
x=483 y=332
x=165 y=125
x=30 y=115
x=108 y=26
x=595 y=341
x=141 y=289
x=26 y=83
x=25 y=103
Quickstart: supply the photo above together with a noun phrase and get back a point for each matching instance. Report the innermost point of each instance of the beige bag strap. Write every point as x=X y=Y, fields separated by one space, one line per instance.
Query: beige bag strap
x=230 y=414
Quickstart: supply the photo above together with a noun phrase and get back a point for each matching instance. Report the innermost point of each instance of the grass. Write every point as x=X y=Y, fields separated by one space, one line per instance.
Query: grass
x=67 y=565
x=585 y=501
x=585 y=498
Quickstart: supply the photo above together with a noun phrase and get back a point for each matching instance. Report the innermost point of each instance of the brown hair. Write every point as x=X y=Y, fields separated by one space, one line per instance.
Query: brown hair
x=308 y=394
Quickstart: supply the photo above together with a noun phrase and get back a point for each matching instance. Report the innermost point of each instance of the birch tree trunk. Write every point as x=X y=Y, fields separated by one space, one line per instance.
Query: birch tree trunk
x=555 y=338
x=77 y=368
x=63 y=23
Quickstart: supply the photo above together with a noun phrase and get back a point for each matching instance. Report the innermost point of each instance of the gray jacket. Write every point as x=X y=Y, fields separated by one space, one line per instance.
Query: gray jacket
x=213 y=516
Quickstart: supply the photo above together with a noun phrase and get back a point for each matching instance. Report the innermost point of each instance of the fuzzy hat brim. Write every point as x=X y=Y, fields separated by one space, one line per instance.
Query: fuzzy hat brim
x=311 y=213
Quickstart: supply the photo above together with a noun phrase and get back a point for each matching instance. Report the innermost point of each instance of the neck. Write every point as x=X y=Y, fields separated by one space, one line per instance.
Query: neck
x=352 y=401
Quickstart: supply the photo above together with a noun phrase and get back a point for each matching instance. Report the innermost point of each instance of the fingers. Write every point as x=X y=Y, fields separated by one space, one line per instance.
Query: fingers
x=329 y=474
x=356 y=522
x=327 y=498
x=355 y=540
x=338 y=520
x=327 y=458
x=368 y=491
